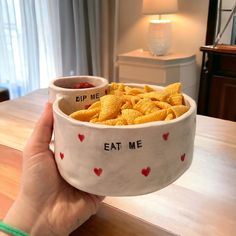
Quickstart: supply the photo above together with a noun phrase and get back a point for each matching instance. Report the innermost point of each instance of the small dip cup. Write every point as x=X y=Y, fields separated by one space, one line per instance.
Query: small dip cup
x=78 y=98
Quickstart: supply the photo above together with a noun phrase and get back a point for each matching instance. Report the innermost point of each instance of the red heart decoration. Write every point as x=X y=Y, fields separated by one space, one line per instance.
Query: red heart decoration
x=146 y=171
x=61 y=155
x=81 y=137
x=182 y=158
x=97 y=171
x=165 y=136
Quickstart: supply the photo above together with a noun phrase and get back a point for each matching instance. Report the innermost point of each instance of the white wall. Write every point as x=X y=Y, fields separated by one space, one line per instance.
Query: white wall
x=189 y=27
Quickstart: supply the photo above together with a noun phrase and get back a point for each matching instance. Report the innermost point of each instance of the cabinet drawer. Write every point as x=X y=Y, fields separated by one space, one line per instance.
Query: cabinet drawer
x=149 y=74
x=223 y=98
x=224 y=65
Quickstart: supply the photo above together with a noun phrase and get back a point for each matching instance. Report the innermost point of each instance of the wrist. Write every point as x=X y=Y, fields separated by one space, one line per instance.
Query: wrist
x=26 y=217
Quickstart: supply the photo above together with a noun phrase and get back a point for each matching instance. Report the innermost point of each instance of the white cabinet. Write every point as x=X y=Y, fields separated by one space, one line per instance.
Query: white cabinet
x=141 y=67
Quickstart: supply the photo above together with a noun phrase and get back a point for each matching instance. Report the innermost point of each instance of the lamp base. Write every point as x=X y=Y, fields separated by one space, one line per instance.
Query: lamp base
x=159 y=37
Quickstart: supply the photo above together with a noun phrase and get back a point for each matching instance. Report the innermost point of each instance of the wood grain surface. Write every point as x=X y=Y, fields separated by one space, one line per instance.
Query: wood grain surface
x=202 y=202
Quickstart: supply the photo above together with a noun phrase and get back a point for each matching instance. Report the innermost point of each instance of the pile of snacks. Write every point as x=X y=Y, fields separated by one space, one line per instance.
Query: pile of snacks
x=125 y=105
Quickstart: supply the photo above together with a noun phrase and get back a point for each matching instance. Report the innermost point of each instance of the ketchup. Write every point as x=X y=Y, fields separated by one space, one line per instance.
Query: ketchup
x=82 y=85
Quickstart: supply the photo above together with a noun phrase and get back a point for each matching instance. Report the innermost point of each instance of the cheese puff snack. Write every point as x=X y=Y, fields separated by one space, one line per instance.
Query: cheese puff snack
x=85 y=115
x=125 y=105
x=130 y=115
x=173 y=88
x=146 y=106
x=155 y=116
x=110 y=107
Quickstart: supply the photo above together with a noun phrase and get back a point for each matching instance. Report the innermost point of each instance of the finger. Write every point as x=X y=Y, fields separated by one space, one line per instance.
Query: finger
x=42 y=133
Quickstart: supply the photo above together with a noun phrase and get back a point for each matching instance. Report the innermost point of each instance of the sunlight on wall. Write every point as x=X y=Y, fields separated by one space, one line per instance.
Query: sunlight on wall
x=188 y=27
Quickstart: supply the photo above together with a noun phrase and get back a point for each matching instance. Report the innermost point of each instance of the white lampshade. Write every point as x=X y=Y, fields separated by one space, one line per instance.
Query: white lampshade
x=158 y=7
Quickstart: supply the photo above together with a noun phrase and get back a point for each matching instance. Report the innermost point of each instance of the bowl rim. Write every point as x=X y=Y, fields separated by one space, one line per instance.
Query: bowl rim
x=72 y=121
x=104 y=82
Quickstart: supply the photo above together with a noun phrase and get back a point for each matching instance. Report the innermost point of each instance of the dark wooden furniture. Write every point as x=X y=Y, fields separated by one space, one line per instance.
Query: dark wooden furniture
x=4 y=94
x=217 y=94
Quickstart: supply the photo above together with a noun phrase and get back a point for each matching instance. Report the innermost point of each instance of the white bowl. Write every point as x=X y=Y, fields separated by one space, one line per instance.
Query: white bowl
x=123 y=160
x=78 y=98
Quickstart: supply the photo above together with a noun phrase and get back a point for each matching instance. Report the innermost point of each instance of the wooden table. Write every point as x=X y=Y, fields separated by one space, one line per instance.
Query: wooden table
x=200 y=203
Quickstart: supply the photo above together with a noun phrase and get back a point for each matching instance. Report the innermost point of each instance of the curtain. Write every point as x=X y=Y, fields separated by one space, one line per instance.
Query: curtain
x=94 y=25
x=109 y=37
x=80 y=36
x=15 y=62
x=29 y=44
x=44 y=39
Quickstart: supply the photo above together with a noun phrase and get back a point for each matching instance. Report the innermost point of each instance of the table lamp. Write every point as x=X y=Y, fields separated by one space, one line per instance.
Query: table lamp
x=159 y=33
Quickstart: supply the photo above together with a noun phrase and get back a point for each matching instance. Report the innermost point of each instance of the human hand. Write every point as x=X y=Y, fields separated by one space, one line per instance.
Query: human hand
x=46 y=204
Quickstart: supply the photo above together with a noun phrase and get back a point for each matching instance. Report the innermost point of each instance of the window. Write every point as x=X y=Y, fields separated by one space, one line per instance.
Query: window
x=27 y=47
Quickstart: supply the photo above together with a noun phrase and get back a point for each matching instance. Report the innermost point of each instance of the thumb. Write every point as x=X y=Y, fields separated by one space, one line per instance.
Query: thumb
x=40 y=138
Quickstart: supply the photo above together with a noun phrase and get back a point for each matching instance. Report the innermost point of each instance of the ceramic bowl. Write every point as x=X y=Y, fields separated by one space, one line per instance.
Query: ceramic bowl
x=78 y=98
x=122 y=160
